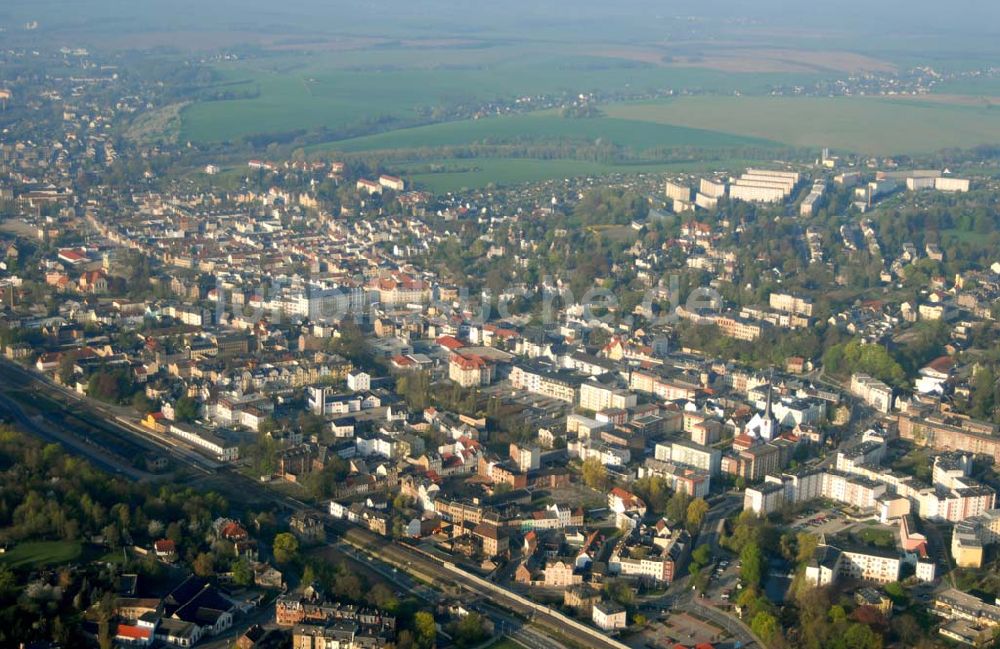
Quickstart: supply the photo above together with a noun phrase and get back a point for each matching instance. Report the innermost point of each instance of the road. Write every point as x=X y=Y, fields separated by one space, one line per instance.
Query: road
x=680 y=596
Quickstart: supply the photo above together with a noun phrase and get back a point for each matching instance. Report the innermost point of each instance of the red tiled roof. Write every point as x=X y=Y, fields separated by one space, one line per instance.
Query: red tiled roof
x=133 y=632
x=165 y=545
x=469 y=362
x=449 y=342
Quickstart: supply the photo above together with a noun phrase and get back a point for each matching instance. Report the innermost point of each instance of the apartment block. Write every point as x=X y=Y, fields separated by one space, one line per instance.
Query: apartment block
x=873 y=392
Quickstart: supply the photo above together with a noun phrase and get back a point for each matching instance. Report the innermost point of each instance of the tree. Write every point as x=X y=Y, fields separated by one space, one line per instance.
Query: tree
x=677 y=506
x=595 y=474
x=382 y=597
x=860 y=636
x=896 y=593
x=204 y=565
x=143 y=404
x=186 y=409
x=752 y=568
x=425 y=629
x=765 y=626
x=286 y=548
x=807 y=544
x=311 y=424
x=242 y=573
x=620 y=591
x=747 y=599
x=837 y=614
x=110 y=386
x=701 y=554
x=696 y=511
x=469 y=631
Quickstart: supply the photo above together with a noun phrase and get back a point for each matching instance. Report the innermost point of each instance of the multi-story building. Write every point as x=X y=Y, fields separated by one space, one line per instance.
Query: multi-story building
x=392 y=182
x=527 y=457
x=945 y=184
x=711 y=188
x=690 y=454
x=739 y=328
x=677 y=192
x=667 y=389
x=811 y=202
x=596 y=397
x=968 y=619
x=758 y=461
x=830 y=563
x=950 y=433
x=971 y=536
x=789 y=303
x=609 y=616
x=809 y=484
x=561 y=574
x=469 y=370
x=560 y=385
x=765 y=498
x=873 y=392
x=338 y=635
x=693 y=482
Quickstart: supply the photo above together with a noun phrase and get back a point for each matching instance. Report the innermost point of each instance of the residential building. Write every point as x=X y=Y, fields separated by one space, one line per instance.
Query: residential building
x=609 y=616
x=873 y=392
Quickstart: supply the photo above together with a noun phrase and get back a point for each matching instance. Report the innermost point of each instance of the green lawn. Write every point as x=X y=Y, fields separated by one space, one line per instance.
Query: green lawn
x=41 y=553
x=865 y=125
x=876 y=536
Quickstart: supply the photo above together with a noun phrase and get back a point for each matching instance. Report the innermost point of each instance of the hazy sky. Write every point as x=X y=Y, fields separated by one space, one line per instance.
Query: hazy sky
x=617 y=20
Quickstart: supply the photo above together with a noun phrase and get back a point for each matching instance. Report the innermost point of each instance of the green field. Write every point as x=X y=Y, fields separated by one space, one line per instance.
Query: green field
x=546 y=126
x=972 y=87
x=41 y=553
x=864 y=125
x=357 y=87
x=388 y=89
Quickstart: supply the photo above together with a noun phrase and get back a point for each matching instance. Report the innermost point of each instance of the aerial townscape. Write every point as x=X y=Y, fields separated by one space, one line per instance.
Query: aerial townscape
x=512 y=327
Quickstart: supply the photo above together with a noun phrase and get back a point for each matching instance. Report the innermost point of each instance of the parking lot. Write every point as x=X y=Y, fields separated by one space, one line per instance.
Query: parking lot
x=827 y=523
x=723 y=580
x=682 y=628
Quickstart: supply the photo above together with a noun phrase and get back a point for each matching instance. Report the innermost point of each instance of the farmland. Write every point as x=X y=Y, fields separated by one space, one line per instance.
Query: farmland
x=865 y=125
x=288 y=92
x=406 y=104
x=546 y=126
